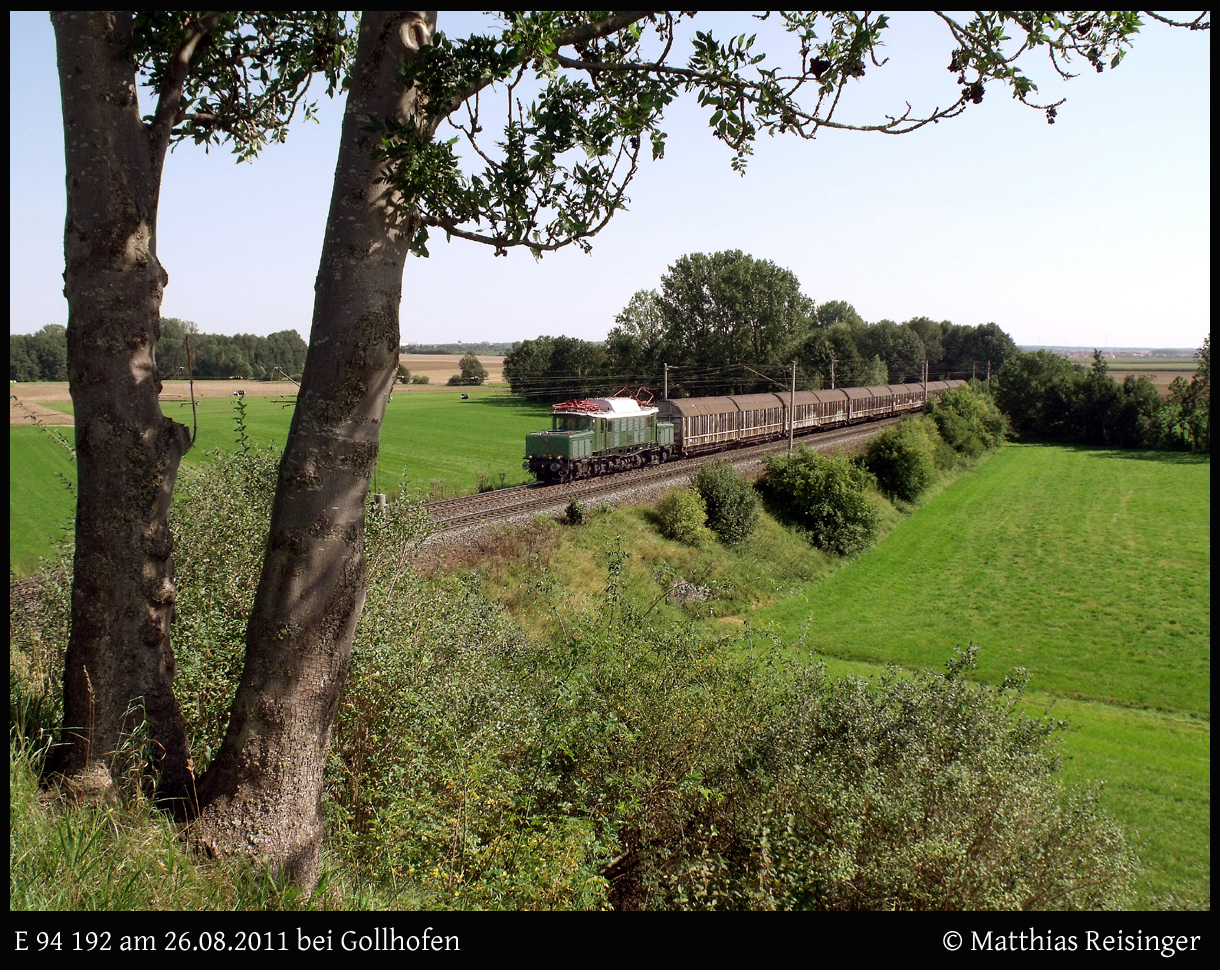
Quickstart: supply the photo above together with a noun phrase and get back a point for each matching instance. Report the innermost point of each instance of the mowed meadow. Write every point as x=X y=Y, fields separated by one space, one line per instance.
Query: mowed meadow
x=1091 y=569
x=434 y=444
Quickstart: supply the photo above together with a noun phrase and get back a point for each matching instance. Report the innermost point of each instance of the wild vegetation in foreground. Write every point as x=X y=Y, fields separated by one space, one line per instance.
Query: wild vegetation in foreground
x=626 y=762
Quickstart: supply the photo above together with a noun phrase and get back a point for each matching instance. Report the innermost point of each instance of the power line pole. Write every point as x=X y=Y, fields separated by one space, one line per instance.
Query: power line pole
x=665 y=395
x=925 y=383
x=792 y=408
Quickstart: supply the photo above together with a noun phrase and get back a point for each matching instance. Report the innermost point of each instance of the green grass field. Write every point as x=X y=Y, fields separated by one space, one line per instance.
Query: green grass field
x=443 y=442
x=1090 y=568
x=40 y=505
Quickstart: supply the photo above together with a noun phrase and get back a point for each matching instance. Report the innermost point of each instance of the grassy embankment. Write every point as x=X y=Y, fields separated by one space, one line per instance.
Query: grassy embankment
x=445 y=444
x=1089 y=568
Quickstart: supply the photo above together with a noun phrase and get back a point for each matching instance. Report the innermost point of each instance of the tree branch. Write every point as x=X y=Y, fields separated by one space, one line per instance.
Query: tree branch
x=1196 y=24
x=170 y=97
x=584 y=33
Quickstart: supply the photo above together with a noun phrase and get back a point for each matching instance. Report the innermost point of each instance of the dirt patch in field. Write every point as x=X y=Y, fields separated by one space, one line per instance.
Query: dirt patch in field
x=34 y=396
x=24 y=413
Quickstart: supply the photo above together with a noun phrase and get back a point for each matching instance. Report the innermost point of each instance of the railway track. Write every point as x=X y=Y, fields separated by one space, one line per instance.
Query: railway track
x=526 y=500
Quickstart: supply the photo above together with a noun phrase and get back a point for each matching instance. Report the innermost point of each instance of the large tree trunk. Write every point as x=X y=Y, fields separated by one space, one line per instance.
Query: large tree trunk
x=119 y=664
x=262 y=795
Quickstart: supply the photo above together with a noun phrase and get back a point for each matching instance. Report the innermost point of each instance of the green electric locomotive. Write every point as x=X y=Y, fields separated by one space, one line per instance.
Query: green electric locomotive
x=597 y=436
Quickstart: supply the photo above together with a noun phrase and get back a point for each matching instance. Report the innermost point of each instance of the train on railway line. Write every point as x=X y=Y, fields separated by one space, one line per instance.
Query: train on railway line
x=598 y=436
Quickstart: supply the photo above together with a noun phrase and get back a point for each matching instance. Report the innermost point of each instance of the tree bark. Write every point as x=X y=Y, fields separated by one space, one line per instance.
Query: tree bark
x=120 y=664
x=262 y=795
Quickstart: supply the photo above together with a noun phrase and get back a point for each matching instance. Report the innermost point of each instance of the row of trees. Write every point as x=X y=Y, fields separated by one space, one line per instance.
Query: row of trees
x=727 y=323
x=214 y=356
x=43 y=356
x=487 y=347
x=1047 y=397
x=557 y=174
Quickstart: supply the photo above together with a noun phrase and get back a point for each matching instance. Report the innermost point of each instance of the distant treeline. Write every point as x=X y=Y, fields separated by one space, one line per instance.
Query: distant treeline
x=727 y=323
x=1048 y=398
x=485 y=348
x=43 y=356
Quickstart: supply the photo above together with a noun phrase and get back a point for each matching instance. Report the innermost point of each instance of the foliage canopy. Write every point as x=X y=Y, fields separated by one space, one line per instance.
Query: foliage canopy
x=562 y=158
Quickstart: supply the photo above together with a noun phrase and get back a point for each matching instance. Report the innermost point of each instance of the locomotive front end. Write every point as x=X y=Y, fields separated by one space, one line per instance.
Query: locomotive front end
x=555 y=453
x=597 y=436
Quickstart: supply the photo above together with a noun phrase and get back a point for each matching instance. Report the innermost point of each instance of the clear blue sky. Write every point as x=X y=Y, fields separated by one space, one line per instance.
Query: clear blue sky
x=1093 y=231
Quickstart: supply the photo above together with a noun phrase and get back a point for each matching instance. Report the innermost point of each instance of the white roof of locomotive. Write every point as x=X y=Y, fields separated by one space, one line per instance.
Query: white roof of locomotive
x=604 y=407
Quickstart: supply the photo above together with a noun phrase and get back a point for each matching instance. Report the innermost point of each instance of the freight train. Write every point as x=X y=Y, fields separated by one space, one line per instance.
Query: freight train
x=597 y=436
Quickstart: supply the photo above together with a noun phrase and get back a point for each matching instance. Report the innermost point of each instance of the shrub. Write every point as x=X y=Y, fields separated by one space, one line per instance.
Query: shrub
x=730 y=500
x=419 y=378
x=969 y=420
x=903 y=458
x=923 y=792
x=683 y=516
x=826 y=495
x=219 y=519
x=574 y=513
x=959 y=435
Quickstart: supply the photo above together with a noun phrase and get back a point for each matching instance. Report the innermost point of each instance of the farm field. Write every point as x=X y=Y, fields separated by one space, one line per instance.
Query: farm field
x=444 y=443
x=1088 y=567
x=1161 y=378
x=438 y=368
x=40 y=506
x=1091 y=569
x=1160 y=370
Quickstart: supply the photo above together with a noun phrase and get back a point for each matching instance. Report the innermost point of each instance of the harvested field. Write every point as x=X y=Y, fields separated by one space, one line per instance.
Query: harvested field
x=440 y=367
x=1161 y=378
x=28 y=413
x=34 y=395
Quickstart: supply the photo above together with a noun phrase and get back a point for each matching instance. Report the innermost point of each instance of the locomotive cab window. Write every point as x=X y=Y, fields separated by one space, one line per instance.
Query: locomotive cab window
x=572 y=422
